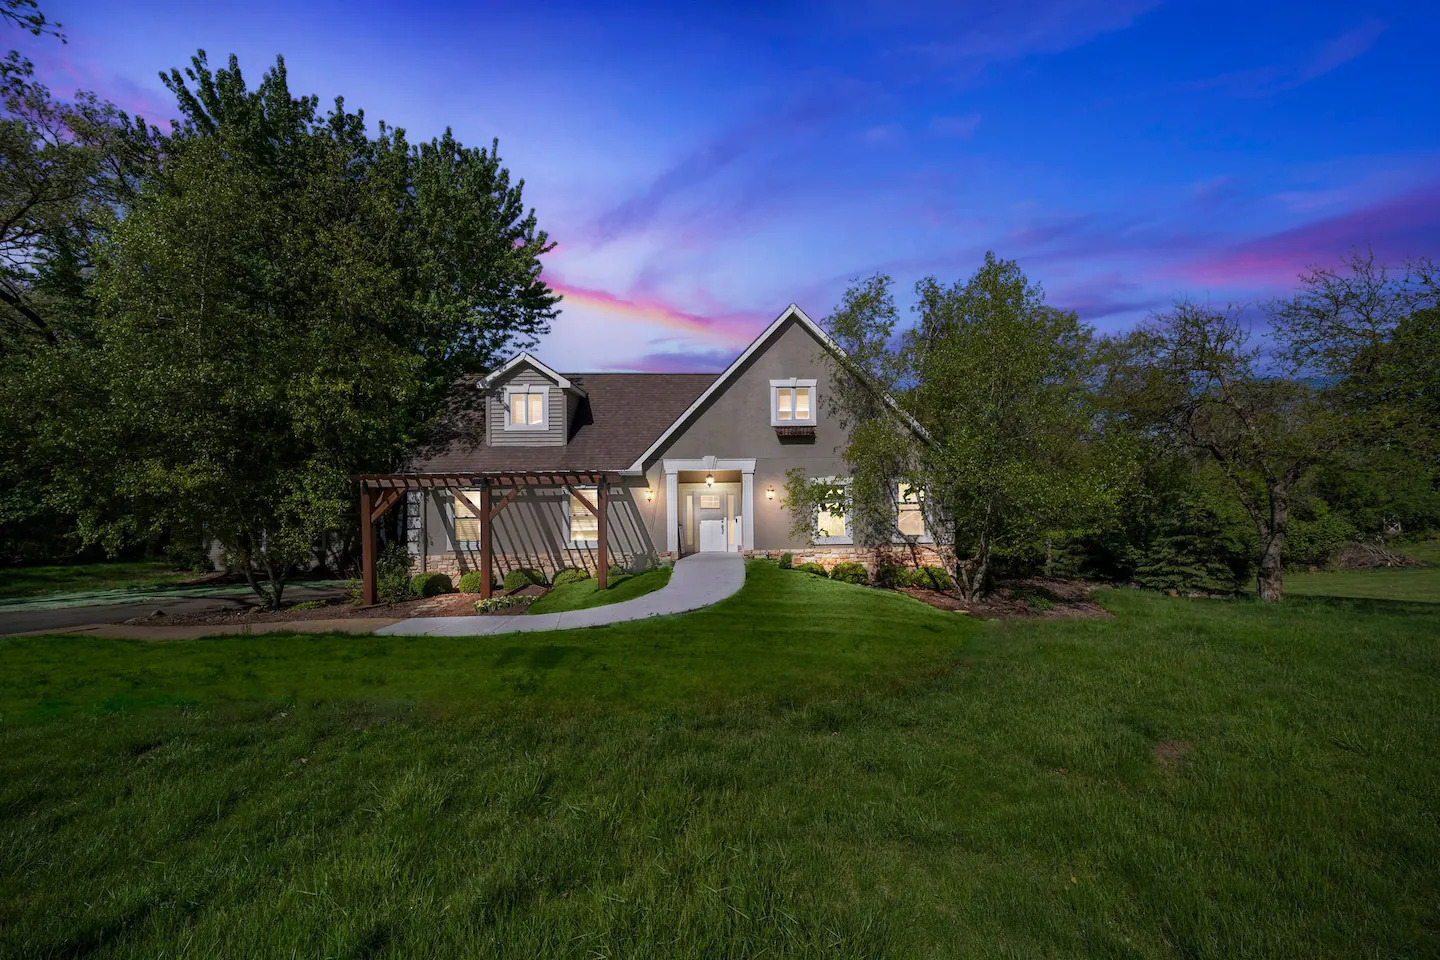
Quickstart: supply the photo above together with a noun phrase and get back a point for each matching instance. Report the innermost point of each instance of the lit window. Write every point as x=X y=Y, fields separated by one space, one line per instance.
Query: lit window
x=527 y=409
x=831 y=524
x=584 y=525
x=467 y=515
x=909 y=517
x=792 y=402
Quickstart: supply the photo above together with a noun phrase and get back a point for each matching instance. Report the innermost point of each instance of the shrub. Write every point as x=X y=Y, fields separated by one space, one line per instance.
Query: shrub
x=641 y=563
x=892 y=576
x=1316 y=536
x=392 y=575
x=308 y=605
x=849 y=573
x=472 y=582
x=936 y=578
x=613 y=573
x=569 y=575
x=814 y=568
x=431 y=584
x=1035 y=598
x=500 y=603
x=787 y=560
x=523 y=577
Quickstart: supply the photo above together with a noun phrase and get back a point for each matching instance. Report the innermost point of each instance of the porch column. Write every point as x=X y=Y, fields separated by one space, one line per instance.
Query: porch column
x=672 y=512
x=487 y=559
x=602 y=496
x=367 y=548
x=747 y=516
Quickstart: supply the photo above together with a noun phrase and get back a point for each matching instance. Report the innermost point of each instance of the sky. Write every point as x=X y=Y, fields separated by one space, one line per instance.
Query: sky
x=700 y=167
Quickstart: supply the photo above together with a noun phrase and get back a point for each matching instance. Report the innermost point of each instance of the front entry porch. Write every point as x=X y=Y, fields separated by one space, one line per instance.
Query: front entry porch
x=709 y=505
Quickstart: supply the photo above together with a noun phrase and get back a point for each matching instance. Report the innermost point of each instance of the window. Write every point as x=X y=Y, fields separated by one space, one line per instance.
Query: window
x=831 y=525
x=525 y=408
x=467 y=515
x=584 y=525
x=709 y=501
x=909 y=517
x=792 y=403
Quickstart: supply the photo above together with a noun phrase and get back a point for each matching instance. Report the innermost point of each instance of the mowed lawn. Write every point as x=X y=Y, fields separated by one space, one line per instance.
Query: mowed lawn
x=1419 y=584
x=79 y=577
x=807 y=769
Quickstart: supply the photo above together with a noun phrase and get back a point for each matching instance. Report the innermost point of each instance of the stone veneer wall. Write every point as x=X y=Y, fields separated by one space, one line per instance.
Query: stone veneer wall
x=899 y=555
x=464 y=561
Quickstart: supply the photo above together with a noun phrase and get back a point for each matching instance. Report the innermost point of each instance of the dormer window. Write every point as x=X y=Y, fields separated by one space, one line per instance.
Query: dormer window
x=792 y=403
x=527 y=407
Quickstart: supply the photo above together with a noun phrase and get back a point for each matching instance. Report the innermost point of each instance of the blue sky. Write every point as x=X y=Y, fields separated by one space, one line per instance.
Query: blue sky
x=702 y=167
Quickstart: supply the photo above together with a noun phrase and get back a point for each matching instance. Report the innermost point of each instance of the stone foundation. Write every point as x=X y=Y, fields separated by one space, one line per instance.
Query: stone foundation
x=898 y=555
x=464 y=561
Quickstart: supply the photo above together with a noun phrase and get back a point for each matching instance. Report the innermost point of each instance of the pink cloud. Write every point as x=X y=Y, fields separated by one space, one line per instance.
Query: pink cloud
x=1401 y=226
x=729 y=328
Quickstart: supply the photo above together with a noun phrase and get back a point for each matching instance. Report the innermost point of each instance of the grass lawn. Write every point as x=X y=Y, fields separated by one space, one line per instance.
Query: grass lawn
x=583 y=594
x=79 y=577
x=1418 y=584
x=806 y=769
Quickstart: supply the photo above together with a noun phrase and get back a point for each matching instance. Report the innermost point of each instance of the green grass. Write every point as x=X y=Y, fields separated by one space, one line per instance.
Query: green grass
x=583 y=594
x=1415 y=584
x=807 y=769
x=78 y=577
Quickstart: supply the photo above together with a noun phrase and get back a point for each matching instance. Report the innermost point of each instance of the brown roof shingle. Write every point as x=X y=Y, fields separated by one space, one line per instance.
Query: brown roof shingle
x=621 y=415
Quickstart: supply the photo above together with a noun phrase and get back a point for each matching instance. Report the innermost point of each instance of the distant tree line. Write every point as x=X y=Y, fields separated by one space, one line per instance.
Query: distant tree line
x=1196 y=452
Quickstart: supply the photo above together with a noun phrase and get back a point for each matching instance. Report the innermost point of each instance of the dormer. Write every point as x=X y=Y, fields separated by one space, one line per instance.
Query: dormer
x=528 y=405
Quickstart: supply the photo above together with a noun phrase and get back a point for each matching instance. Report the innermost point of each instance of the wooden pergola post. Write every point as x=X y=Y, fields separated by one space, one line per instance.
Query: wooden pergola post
x=601 y=496
x=367 y=548
x=487 y=553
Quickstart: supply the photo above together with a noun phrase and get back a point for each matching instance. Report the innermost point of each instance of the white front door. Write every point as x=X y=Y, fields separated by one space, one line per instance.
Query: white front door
x=712 y=535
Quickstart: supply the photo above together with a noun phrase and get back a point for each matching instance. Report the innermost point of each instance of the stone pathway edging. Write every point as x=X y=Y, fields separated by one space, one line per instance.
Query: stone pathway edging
x=698 y=581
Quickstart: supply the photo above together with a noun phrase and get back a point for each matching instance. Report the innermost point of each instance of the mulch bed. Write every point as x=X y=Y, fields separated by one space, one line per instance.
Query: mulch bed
x=445 y=605
x=1030 y=599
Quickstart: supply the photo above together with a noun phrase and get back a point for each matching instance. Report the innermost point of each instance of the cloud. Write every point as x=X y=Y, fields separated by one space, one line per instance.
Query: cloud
x=957 y=128
x=1265 y=81
x=731 y=327
x=1398 y=227
x=884 y=133
x=692 y=360
x=988 y=34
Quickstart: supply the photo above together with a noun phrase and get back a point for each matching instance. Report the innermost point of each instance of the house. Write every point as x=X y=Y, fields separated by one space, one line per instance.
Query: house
x=592 y=469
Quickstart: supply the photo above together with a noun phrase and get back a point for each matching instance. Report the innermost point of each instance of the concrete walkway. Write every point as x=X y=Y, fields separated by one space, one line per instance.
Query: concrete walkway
x=698 y=581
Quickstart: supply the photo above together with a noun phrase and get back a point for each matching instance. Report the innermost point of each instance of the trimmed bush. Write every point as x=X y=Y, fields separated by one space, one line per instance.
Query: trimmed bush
x=523 y=577
x=472 y=582
x=849 y=573
x=613 y=572
x=814 y=568
x=569 y=575
x=500 y=603
x=392 y=575
x=787 y=560
x=892 y=576
x=936 y=578
x=431 y=584
x=641 y=563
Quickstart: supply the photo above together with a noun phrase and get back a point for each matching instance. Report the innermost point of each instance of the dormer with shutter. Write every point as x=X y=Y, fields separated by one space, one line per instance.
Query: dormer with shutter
x=528 y=405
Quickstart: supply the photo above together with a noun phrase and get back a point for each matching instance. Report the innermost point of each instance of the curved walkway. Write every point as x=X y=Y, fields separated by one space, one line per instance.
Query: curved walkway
x=698 y=581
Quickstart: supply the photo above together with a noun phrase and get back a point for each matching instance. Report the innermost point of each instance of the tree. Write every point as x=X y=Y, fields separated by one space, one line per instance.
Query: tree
x=995 y=380
x=1191 y=376
x=286 y=305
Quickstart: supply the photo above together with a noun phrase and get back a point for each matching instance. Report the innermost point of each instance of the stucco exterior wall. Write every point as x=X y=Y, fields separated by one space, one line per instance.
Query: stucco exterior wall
x=735 y=423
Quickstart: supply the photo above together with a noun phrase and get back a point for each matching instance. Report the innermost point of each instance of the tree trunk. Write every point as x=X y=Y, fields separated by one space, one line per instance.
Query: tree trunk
x=1270 y=584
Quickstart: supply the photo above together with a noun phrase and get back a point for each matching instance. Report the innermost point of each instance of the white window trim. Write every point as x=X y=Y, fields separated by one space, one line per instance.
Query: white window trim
x=455 y=518
x=925 y=521
x=776 y=386
x=849 y=537
x=593 y=495
x=527 y=389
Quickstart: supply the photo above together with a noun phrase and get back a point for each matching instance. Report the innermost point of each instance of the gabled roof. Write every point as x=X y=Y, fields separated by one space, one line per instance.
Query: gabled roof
x=792 y=312
x=525 y=356
x=617 y=415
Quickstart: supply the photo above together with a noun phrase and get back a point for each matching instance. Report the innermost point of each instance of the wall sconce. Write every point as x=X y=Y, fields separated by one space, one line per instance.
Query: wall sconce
x=769 y=493
x=649 y=495
x=709 y=479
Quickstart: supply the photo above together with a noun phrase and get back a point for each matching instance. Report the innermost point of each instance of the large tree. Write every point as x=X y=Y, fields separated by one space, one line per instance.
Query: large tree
x=996 y=382
x=1192 y=376
x=286 y=304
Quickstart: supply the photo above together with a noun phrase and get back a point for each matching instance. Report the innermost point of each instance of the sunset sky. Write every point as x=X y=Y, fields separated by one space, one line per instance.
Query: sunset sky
x=701 y=168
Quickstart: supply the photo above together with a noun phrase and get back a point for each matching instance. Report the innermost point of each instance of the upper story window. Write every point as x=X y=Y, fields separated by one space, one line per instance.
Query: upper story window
x=792 y=403
x=527 y=408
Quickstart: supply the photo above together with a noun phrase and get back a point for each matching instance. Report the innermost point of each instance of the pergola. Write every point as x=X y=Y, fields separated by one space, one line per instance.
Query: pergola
x=380 y=492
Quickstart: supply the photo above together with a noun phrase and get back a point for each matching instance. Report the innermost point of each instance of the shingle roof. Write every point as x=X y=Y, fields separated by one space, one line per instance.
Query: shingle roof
x=620 y=417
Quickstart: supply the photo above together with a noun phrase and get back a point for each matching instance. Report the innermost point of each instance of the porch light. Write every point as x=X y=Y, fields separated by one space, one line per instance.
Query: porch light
x=769 y=493
x=709 y=479
x=649 y=494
